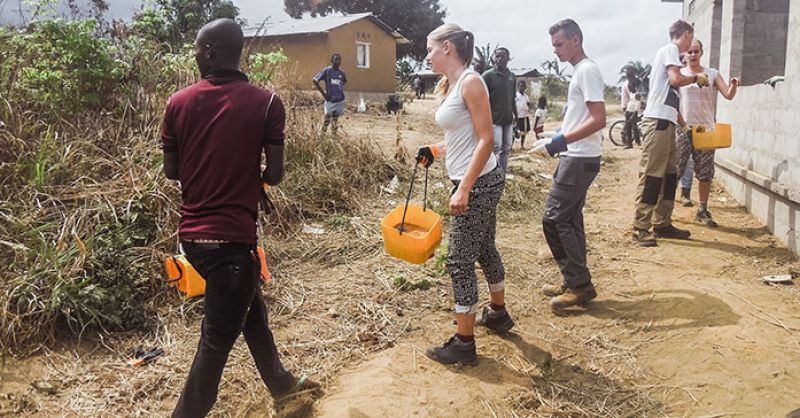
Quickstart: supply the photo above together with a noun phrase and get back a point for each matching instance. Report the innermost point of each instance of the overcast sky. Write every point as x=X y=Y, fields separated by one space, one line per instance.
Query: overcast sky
x=615 y=31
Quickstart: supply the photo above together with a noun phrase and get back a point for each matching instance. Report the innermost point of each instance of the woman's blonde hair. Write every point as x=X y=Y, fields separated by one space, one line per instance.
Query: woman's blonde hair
x=463 y=42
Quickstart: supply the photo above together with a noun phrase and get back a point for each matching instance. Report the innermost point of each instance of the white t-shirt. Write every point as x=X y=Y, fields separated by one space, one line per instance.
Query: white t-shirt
x=540 y=113
x=626 y=95
x=699 y=104
x=521 y=100
x=460 y=140
x=586 y=85
x=663 y=100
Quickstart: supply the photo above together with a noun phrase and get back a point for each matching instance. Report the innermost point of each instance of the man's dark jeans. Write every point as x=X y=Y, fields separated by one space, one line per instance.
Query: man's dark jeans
x=233 y=305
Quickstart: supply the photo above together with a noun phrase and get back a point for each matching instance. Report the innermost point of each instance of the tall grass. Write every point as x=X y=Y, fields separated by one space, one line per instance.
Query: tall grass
x=86 y=215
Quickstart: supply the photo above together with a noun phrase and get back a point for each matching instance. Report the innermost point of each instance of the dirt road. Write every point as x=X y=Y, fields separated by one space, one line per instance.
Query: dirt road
x=683 y=329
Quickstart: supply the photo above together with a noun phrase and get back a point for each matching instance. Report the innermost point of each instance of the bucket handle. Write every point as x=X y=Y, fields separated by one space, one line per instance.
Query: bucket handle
x=178 y=266
x=408 y=196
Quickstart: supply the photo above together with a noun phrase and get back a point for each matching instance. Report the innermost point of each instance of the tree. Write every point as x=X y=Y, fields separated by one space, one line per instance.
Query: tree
x=414 y=19
x=484 y=58
x=642 y=73
x=176 y=22
x=552 y=67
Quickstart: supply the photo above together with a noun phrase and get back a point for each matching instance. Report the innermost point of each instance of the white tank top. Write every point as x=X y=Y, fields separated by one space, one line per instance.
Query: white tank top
x=699 y=105
x=459 y=131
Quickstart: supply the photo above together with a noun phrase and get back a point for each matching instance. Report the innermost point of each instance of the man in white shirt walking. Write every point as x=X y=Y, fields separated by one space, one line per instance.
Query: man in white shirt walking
x=658 y=180
x=579 y=147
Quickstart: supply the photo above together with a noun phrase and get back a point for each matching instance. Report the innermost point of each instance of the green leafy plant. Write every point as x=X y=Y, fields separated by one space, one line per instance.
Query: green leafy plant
x=407 y=285
x=261 y=66
x=63 y=65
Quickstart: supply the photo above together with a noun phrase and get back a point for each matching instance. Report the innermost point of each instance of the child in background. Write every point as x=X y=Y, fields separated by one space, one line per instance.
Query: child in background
x=523 y=114
x=538 y=117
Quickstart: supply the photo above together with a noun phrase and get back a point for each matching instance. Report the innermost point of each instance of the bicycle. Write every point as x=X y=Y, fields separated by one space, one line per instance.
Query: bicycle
x=615 y=132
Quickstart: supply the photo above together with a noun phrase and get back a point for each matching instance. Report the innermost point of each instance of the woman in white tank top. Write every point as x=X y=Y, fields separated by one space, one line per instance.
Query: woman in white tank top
x=698 y=107
x=465 y=116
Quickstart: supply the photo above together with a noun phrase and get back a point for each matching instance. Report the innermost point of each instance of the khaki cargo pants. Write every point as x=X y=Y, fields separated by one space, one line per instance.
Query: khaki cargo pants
x=658 y=181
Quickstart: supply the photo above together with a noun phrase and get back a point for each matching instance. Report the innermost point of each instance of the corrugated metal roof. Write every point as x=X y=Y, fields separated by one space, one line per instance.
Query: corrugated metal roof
x=316 y=25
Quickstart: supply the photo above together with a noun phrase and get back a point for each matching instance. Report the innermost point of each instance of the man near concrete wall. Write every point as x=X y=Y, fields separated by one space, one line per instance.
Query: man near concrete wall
x=502 y=85
x=655 y=198
x=334 y=79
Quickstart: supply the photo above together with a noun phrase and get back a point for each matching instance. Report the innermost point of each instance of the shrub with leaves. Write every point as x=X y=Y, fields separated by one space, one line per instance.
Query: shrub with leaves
x=62 y=65
x=261 y=66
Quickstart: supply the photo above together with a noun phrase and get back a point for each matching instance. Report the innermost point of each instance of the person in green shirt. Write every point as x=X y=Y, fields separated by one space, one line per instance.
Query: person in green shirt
x=502 y=84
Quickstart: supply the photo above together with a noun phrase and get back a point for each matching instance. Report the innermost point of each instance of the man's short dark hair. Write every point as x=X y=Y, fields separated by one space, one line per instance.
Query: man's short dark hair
x=569 y=27
x=677 y=29
x=334 y=55
x=502 y=48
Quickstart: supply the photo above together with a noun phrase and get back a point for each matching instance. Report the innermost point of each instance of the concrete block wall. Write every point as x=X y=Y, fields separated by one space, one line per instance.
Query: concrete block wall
x=706 y=16
x=753 y=41
x=762 y=168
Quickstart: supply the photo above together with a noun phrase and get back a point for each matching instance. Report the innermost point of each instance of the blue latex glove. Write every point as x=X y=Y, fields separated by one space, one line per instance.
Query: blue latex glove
x=557 y=145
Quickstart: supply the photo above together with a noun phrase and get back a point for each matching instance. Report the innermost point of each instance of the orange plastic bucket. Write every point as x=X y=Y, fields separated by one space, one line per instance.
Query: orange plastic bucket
x=410 y=232
x=421 y=235
x=720 y=137
x=181 y=274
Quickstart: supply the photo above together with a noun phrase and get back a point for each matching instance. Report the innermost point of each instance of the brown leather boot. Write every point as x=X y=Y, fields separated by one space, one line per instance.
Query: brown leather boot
x=573 y=296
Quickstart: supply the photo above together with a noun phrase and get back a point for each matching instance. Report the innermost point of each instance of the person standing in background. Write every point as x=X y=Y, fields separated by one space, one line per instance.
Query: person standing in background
x=523 y=114
x=334 y=79
x=502 y=85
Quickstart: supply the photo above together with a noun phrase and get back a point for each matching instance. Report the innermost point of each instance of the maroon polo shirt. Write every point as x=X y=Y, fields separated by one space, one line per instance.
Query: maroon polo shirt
x=219 y=127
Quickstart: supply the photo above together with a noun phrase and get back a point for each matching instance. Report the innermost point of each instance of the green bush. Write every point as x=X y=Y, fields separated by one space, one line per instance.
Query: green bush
x=261 y=66
x=86 y=215
x=63 y=65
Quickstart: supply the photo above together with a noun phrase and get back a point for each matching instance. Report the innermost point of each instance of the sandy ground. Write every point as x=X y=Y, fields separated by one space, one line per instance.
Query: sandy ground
x=688 y=323
x=683 y=329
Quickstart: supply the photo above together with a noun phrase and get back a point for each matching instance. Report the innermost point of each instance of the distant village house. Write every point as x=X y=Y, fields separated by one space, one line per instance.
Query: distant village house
x=368 y=47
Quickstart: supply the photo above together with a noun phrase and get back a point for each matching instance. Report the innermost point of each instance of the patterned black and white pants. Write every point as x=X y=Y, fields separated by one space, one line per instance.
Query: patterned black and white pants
x=472 y=239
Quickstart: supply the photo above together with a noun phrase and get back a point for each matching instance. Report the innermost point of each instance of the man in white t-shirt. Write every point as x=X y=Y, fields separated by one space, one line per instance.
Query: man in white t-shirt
x=658 y=179
x=578 y=145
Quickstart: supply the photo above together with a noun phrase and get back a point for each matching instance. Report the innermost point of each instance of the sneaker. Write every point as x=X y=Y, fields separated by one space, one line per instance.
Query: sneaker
x=299 y=399
x=454 y=351
x=644 y=238
x=686 y=199
x=552 y=290
x=499 y=322
x=574 y=296
x=670 y=231
x=704 y=217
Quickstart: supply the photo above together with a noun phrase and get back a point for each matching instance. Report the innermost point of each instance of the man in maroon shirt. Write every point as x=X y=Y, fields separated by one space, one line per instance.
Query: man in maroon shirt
x=213 y=134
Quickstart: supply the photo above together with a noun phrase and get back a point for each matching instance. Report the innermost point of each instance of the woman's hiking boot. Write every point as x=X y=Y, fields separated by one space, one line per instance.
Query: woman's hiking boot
x=499 y=322
x=574 y=296
x=454 y=351
x=670 y=231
